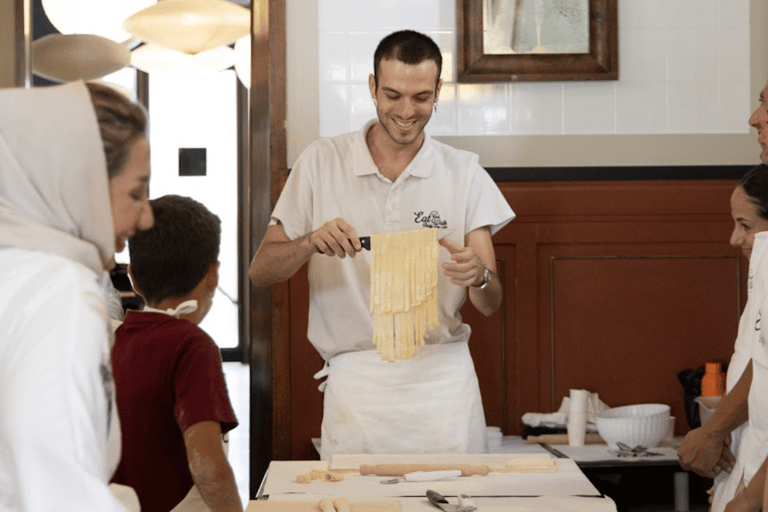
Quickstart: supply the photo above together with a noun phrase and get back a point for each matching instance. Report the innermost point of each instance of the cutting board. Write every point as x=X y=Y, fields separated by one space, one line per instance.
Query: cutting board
x=312 y=506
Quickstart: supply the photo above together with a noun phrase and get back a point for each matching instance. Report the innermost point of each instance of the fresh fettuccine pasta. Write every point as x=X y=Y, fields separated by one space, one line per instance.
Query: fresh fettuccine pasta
x=403 y=291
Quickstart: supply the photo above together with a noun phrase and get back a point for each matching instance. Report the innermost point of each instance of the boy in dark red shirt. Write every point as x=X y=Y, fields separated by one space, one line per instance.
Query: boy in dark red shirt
x=171 y=395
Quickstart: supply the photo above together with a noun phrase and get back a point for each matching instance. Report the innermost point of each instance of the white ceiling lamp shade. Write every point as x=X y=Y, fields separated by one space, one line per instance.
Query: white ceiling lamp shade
x=190 y=26
x=101 y=17
x=243 y=60
x=70 y=57
x=154 y=57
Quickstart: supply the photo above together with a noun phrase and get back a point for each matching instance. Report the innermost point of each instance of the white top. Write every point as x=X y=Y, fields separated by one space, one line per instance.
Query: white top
x=56 y=399
x=748 y=441
x=336 y=177
x=757 y=290
x=756 y=443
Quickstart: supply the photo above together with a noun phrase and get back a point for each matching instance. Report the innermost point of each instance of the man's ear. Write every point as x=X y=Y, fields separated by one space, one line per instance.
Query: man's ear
x=133 y=281
x=212 y=276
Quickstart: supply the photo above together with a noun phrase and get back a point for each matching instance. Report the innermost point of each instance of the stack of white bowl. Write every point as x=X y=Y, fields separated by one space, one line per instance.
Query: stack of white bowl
x=634 y=425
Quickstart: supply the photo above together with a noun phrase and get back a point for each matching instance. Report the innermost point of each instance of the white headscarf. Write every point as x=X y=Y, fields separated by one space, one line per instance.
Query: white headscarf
x=54 y=192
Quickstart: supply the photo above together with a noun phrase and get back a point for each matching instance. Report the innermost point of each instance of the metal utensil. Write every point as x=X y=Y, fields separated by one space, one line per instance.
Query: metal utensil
x=440 y=502
x=625 y=450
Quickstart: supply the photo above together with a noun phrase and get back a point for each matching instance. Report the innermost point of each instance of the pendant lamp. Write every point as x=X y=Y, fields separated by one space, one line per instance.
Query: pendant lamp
x=101 y=17
x=69 y=57
x=154 y=57
x=190 y=26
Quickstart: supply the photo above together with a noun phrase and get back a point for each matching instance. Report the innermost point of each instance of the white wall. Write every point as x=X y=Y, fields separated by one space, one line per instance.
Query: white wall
x=688 y=82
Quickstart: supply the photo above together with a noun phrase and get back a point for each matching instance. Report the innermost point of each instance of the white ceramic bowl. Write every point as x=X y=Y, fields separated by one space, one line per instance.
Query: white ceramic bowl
x=634 y=425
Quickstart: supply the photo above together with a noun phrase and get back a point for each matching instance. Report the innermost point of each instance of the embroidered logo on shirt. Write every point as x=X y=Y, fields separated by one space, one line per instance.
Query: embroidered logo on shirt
x=430 y=220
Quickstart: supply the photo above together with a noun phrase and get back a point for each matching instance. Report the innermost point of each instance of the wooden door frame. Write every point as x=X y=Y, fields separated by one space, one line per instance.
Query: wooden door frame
x=260 y=187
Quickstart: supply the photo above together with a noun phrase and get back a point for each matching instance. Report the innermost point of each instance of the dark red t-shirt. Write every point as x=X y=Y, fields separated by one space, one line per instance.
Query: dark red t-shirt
x=168 y=376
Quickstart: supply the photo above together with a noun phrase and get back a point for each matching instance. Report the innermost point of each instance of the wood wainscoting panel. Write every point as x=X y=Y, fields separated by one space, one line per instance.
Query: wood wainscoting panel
x=306 y=404
x=624 y=326
x=492 y=344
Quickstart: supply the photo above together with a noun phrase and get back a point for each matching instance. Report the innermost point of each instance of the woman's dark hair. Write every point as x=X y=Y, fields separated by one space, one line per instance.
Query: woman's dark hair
x=755 y=185
x=121 y=122
x=409 y=47
x=171 y=258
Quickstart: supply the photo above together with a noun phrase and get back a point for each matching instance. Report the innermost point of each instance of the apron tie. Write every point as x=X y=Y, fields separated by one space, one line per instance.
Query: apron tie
x=324 y=371
x=186 y=307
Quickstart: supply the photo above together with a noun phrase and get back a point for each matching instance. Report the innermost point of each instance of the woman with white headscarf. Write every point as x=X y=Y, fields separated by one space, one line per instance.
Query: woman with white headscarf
x=74 y=178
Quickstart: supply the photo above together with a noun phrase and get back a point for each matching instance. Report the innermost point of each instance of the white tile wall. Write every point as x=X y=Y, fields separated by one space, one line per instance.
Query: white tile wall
x=683 y=68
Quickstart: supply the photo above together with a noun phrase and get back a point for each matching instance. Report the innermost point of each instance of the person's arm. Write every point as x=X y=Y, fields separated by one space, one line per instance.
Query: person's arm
x=765 y=485
x=466 y=269
x=750 y=499
x=279 y=257
x=210 y=468
x=705 y=450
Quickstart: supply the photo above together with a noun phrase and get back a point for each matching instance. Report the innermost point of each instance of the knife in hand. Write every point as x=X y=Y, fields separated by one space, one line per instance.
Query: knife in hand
x=365 y=241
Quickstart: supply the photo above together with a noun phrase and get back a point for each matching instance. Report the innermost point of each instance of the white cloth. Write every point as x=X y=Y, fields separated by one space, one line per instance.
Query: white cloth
x=427 y=404
x=747 y=341
x=57 y=407
x=54 y=195
x=559 y=419
x=441 y=188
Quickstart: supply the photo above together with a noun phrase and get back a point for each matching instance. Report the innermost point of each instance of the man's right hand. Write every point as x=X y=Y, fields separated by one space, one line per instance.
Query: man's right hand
x=336 y=238
x=706 y=453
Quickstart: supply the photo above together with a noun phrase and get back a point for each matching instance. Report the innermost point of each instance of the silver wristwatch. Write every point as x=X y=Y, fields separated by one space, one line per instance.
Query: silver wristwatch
x=486 y=278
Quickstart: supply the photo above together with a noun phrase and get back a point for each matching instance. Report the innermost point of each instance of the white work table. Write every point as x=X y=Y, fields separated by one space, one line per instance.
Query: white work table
x=565 y=490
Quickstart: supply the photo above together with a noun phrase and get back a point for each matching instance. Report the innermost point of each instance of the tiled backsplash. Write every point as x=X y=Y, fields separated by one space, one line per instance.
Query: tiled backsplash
x=683 y=68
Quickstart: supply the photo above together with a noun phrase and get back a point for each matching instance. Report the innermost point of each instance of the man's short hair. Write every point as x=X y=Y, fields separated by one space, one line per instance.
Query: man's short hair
x=409 y=47
x=171 y=258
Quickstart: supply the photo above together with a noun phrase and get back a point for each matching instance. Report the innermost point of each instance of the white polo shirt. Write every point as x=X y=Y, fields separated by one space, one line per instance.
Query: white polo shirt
x=443 y=187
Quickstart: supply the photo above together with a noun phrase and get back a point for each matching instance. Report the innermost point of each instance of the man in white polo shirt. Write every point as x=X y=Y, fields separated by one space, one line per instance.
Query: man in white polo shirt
x=390 y=177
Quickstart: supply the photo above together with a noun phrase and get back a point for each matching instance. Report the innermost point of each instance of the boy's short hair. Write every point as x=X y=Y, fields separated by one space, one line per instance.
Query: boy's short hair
x=171 y=258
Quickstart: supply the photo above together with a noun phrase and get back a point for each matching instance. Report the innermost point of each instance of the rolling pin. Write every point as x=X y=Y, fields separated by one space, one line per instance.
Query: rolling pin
x=590 y=438
x=402 y=469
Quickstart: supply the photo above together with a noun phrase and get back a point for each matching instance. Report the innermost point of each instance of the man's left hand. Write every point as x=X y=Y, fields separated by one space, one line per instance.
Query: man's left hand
x=466 y=269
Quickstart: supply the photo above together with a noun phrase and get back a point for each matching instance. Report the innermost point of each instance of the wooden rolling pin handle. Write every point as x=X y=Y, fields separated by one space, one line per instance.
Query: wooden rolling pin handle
x=402 y=469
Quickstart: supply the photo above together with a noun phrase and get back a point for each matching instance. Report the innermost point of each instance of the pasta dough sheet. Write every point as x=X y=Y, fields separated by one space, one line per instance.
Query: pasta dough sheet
x=403 y=291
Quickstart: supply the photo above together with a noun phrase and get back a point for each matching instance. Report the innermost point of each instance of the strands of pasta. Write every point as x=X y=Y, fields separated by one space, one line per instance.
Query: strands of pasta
x=403 y=291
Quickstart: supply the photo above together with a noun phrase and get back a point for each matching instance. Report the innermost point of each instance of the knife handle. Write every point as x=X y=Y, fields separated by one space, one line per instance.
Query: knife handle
x=430 y=476
x=402 y=469
x=365 y=242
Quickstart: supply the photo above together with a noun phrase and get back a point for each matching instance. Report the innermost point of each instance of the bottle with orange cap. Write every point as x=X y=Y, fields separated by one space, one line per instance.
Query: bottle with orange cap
x=712 y=383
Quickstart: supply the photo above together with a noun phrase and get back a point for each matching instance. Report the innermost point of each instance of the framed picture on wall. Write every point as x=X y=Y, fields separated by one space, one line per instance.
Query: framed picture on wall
x=536 y=40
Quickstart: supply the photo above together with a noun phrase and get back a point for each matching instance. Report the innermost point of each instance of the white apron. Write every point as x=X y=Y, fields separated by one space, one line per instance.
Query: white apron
x=427 y=404
x=726 y=484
